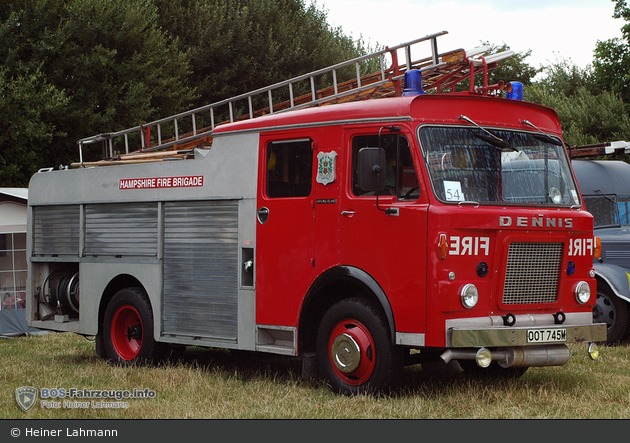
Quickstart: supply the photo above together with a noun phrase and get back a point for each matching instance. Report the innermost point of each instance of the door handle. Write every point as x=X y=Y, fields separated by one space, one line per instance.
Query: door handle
x=348 y=213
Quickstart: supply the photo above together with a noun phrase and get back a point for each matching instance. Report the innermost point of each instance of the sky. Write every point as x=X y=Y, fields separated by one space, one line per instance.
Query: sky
x=554 y=30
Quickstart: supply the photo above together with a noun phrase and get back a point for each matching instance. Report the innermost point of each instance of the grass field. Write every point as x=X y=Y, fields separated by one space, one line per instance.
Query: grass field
x=218 y=384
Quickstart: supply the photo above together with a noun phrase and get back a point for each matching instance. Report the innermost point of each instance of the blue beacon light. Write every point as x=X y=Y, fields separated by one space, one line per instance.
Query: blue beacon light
x=413 y=83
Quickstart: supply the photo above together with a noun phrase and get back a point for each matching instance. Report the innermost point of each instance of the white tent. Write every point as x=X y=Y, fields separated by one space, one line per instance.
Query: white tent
x=13 y=269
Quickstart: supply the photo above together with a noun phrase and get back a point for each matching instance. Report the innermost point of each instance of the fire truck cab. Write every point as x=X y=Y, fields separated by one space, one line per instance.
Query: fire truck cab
x=347 y=234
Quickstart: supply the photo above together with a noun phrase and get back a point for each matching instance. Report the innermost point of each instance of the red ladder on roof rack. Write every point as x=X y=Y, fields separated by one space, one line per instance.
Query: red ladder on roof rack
x=439 y=72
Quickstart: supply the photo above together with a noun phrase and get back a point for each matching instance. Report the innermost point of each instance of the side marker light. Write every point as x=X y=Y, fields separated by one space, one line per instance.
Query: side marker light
x=443 y=246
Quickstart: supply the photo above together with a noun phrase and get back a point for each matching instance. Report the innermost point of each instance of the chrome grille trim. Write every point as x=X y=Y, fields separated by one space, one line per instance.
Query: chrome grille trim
x=532 y=273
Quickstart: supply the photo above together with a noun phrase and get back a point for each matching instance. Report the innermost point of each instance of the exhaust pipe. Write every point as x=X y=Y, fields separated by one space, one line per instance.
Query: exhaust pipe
x=547 y=355
x=550 y=355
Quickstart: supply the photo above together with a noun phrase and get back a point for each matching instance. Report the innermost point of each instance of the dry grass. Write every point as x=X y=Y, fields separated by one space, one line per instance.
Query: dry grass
x=219 y=384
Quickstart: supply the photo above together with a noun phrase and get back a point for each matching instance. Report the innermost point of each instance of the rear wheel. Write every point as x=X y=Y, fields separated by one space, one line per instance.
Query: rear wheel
x=355 y=349
x=612 y=311
x=128 y=329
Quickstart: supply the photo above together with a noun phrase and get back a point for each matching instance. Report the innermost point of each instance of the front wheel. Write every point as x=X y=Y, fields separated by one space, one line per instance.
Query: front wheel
x=355 y=350
x=128 y=329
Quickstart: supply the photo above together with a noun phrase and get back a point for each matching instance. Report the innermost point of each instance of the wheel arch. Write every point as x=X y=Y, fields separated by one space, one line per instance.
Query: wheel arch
x=116 y=284
x=616 y=278
x=333 y=285
x=615 y=311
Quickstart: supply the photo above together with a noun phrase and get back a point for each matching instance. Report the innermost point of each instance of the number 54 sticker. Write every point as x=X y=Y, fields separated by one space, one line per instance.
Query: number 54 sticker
x=453 y=191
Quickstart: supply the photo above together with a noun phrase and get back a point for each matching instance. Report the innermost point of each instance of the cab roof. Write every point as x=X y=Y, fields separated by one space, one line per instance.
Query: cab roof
x=434 y=108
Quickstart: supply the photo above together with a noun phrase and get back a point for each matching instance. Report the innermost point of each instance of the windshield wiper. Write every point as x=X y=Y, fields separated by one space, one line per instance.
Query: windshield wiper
x=492 y=139
x=544 y=136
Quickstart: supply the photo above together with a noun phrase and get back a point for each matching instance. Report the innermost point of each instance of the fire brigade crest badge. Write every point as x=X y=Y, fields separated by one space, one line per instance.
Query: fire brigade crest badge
x=26 y=397
x=326 y=165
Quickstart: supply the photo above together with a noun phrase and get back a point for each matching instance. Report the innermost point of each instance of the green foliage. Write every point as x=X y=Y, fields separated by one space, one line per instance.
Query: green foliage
x=116 y=67
x=75 y=68
x=237 y=46
x=123 y=63
x=27 y=105
x=612 y=58
x=566 y=78
x=586 y=118
x=588 y=113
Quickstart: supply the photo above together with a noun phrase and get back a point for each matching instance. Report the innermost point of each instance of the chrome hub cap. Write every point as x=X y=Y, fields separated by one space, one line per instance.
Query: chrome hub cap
x=346 y=353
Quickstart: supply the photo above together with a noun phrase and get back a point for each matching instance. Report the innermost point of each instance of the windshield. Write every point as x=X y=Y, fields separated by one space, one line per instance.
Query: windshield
x=497 y=166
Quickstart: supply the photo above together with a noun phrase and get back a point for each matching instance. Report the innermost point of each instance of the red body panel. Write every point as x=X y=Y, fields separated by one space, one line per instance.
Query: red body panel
x=285 y=248
x=305 y=236
x=465 y=222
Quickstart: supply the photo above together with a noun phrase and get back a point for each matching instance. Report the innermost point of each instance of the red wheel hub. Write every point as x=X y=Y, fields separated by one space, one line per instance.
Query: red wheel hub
x=351 y=352
x=127 y=332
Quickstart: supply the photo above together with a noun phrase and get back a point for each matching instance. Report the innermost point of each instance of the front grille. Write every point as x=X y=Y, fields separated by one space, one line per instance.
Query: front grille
x=532 y=273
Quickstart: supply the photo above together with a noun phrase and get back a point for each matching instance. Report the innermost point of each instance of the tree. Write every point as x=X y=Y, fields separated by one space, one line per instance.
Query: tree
x=587 y=113
x=586 y=118
x=27 y=104
x=113 y=63
x=126 y=62
x=237 y=46
x=612 y=58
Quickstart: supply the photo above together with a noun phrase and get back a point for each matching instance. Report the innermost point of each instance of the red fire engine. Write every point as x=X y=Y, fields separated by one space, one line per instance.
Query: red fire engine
x=348 y=227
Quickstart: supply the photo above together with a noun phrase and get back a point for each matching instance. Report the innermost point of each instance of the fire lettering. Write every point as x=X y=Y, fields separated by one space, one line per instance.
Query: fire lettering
x=469 y=245
x=581 y=247
x=160 y=182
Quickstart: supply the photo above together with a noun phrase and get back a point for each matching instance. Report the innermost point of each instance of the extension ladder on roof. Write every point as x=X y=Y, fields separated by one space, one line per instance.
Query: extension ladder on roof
x=439 y=72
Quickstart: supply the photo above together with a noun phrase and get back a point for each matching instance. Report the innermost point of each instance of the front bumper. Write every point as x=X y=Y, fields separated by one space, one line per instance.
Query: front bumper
x=528 y=330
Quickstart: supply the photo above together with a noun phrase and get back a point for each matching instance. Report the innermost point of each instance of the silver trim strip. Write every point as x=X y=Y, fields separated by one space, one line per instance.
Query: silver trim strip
x=410 y=339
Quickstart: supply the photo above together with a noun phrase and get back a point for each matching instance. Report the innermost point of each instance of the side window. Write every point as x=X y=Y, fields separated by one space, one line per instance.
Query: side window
x=289 y=168
x=13 y=270
x=400 y=179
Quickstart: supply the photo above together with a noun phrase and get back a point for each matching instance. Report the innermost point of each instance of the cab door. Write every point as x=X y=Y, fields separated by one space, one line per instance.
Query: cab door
x=285 y=226
x=385 y=235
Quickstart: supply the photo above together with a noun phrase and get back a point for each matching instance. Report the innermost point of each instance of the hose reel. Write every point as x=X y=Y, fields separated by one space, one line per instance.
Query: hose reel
x=61 y=291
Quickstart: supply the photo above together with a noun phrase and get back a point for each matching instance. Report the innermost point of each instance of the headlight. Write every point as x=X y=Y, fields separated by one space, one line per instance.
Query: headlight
x=582 y=292
x=469 y=296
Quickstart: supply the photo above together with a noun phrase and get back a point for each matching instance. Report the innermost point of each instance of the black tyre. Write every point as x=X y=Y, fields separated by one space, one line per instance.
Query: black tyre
x=128 y=329
x=611 y=310
x=99 y=343
x=355 y=350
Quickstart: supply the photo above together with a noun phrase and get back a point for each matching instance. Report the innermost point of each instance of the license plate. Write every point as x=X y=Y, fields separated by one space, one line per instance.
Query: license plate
x=546 y=335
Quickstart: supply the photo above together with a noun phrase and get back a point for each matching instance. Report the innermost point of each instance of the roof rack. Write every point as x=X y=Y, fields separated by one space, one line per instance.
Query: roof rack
x=440 y=72
x=607 y=148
